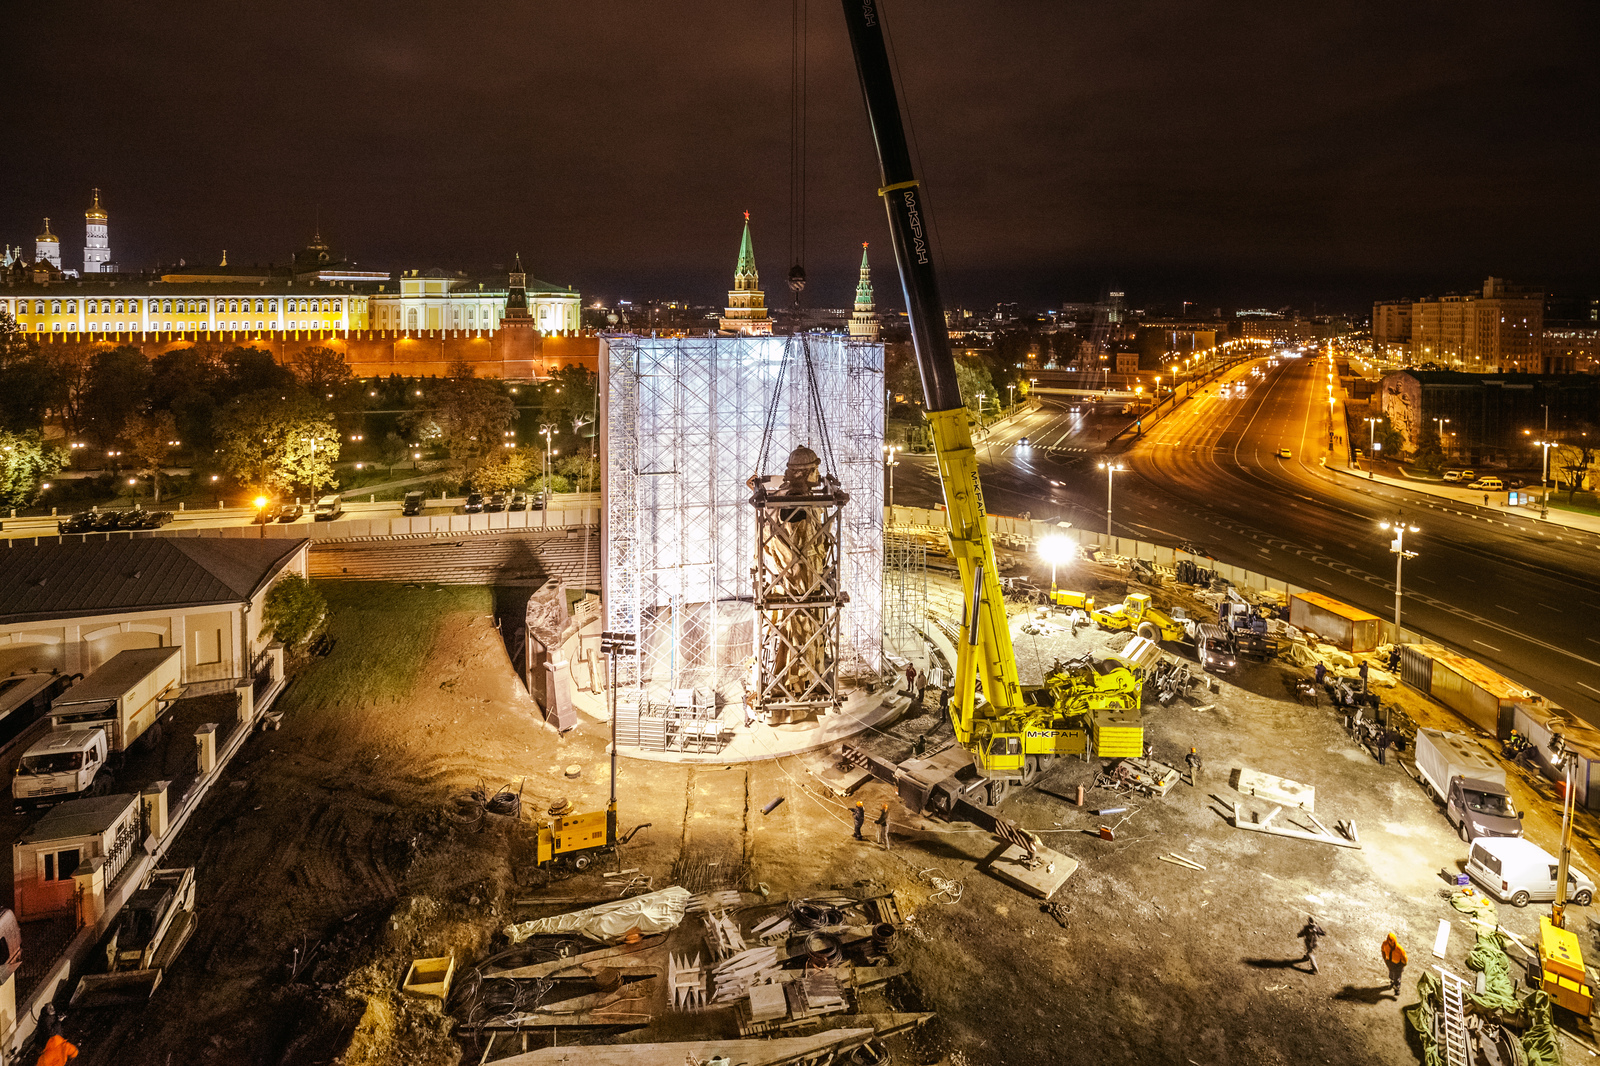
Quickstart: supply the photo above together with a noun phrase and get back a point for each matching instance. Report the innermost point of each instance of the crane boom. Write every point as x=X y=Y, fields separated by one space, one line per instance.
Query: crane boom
x=985 y=651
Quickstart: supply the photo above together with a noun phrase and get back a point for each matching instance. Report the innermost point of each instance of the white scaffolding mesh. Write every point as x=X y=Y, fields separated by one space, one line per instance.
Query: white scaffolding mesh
x=680 y=434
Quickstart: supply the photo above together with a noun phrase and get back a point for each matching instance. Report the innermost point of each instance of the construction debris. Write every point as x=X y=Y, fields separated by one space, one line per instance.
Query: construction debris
x=1277 y=789
x=1179 y=860
x=686 y=982
x=1320 y=834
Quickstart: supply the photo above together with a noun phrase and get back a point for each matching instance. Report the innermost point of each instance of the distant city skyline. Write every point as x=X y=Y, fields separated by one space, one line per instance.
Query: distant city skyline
x=1217 y=155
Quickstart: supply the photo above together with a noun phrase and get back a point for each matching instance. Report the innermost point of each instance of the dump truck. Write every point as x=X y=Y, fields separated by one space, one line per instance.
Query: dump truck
x=1137 y=613
x=153 y=926
x=1470 y=784
x=119 y=705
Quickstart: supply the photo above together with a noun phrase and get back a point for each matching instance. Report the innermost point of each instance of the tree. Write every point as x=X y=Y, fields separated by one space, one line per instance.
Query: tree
x=569 y=397
x=254 y=370
x=504 y=470
x=468 y=415
x=266 y=440
x=580 y=470
x=393 y=449
x=25 y=463
x=321 y=370
x=33 y=385
x=118 y=383
x=1429 y=456
x=974 y=380
x=295 y=610
x=149 y=438
x=1570 y=462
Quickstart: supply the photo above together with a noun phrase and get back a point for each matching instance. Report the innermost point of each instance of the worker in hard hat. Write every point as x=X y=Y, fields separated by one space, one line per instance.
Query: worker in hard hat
x=57 y=1051
x=859 y=813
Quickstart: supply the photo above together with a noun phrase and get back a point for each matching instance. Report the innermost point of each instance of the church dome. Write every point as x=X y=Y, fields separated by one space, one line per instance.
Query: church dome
x=47 y=236
x=96 y=213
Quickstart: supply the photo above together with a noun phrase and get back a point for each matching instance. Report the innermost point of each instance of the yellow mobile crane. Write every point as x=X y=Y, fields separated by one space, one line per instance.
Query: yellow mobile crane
x=1007 y=735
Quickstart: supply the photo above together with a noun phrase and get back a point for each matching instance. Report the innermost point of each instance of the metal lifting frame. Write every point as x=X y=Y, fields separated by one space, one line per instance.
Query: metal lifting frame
x=797 y=600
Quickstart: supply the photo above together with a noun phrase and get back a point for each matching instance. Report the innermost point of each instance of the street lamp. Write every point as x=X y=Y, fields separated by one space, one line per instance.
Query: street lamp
x=1111 y=469
x=261 y=515
x=1056 y=549
x=1011 y=395
x=546 y=428
x=889 y=463
x=1398 y=547
x=1440 y=423
x=1544 y=477
x=1372 y=442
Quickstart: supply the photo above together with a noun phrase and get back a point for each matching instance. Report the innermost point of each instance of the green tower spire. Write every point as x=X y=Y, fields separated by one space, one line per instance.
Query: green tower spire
x=747 y=258
x=864 y=288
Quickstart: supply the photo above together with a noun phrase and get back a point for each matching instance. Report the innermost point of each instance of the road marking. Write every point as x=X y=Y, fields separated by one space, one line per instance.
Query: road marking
x=1547 y=607
x=1499 y=607
x=1324 y=580
x=1491 y=647
x=1591 y=688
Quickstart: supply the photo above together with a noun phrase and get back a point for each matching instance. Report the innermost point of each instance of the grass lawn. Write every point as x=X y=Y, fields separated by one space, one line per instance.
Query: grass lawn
x=1582 y=502
x=383 y=633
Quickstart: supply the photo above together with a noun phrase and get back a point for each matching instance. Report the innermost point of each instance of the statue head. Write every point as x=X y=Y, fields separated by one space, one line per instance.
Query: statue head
x=802 y=473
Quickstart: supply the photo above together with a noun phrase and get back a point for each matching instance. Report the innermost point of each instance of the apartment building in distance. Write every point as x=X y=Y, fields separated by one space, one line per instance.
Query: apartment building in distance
x=1499 y=330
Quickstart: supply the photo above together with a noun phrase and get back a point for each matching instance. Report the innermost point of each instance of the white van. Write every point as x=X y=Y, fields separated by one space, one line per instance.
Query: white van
x=329 y=507
x=1515 y=870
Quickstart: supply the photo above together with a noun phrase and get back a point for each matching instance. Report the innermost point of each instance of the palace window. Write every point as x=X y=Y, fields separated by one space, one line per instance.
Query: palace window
x=55 y=307
x=72 y=307
x=272 y=305
x=411 y=319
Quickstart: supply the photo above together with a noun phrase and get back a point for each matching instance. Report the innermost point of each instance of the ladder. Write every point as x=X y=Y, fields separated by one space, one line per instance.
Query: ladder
x=1453 y=991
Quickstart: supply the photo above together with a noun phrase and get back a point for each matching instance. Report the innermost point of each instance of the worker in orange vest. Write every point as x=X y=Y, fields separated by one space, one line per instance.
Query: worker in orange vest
x=57 y=1051
x=1394 y=957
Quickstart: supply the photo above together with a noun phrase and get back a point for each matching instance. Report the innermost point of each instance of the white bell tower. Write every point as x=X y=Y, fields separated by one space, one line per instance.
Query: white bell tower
x=96 y=244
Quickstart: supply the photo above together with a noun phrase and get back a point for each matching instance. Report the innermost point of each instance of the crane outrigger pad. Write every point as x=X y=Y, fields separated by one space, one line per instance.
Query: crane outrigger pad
x=1048 y=872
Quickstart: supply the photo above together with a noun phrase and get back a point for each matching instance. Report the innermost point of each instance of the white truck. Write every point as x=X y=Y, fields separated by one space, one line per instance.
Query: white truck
x=1470 y=784
x=104 y=715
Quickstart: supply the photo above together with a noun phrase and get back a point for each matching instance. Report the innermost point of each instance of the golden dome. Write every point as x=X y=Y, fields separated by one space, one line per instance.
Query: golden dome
x=96 y=213
x=47 y=235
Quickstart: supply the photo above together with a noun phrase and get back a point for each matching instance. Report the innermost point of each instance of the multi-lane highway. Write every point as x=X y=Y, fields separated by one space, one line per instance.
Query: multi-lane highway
x=1518 y=594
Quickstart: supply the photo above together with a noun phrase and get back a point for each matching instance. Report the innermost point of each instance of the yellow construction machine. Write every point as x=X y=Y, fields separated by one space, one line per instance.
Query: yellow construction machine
x=1140 y=615
x=1009 y=733
x=576 y=840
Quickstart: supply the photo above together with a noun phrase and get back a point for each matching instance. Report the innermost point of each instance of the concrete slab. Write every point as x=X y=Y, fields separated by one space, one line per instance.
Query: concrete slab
x=1041 y=882
x=841 y=782
x=1277 y=789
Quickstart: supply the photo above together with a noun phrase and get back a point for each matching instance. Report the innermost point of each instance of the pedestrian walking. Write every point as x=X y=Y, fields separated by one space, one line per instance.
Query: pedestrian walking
x=1193 y=759
x=1320 y=672
x=883 y=827
x=1394 y=957
x=859 y=813
x=911 y=679
x=1311 y=933
x=1486 y=499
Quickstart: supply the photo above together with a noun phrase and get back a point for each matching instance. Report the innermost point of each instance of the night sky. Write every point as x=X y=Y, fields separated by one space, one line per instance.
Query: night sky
x=1233 y=153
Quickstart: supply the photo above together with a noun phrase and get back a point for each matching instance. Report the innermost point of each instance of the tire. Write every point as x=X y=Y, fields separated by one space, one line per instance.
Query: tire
x=101 y=785
x=581 y=862
x=151 y=740
x=1461 y=831
x=1583 y=899
x=1520 y=899
x=1147 y=631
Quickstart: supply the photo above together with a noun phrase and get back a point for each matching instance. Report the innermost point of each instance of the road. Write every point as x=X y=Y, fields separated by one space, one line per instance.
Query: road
x=1519 y=595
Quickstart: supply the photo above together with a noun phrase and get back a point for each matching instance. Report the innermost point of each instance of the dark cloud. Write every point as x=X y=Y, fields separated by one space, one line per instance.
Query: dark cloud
x=1225 y=151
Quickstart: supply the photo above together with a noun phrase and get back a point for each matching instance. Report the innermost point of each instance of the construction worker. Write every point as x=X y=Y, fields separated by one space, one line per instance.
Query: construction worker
x=1321 y=672
x=859 y=813
x=911 y=679
x=57 y=1051
x=1311 y=933
x=1381 y=740
x=1394 y=957
x=883 y=827
x=1394 y=658
x=1363 y=676
x=1193 y=759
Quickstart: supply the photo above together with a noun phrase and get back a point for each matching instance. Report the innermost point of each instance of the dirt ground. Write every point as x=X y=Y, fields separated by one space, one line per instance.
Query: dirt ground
x=340 y=837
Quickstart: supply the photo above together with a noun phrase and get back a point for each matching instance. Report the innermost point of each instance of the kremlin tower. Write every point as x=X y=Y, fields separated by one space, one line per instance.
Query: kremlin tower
x=746 y=312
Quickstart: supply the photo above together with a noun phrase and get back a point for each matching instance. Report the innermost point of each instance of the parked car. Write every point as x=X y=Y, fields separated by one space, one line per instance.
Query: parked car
x=519 y=502
x=1452 y=475
x=1488 y=484
x=1517 y=871
x=497 y=502
x=1467 y=475
x=413 y=503
x=536 y=501
x=82 y=522
x=106 y=520
x=328 y=508
x=474 y=503
x=290 y=512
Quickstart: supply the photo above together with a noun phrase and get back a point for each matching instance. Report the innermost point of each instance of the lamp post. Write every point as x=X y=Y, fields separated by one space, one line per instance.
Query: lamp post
x=1055 y=550
x=546 y=429
x=1398 y=547
x=1011 y=395
x=889 y=463
x=1372 y=442
x=1111 y=469
x=1569 y=760
x=261 y=515
x=1440 y=423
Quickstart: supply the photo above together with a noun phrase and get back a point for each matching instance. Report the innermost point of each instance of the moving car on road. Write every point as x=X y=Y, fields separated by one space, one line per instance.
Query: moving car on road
x=1284 y=453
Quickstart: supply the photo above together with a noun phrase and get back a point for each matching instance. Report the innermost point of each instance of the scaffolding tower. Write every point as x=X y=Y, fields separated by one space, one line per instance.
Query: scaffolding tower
x=681 y=432
x=905 y=585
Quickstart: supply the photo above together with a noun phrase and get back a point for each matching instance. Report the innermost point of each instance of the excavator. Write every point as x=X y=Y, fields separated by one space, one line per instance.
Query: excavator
x=1011 y=733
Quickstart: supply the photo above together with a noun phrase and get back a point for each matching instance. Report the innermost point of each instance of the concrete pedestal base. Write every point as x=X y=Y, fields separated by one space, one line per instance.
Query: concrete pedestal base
x=1042 y=881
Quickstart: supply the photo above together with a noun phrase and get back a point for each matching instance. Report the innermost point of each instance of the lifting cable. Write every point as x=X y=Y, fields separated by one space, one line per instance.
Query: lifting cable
x=797 y=147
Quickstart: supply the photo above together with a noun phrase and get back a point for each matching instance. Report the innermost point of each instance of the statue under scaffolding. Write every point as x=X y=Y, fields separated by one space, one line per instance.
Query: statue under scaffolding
x=797 y=589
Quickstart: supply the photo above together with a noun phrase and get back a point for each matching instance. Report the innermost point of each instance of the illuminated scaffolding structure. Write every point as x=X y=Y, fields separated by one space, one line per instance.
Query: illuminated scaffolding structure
x=681 y=432
x=905 y=593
